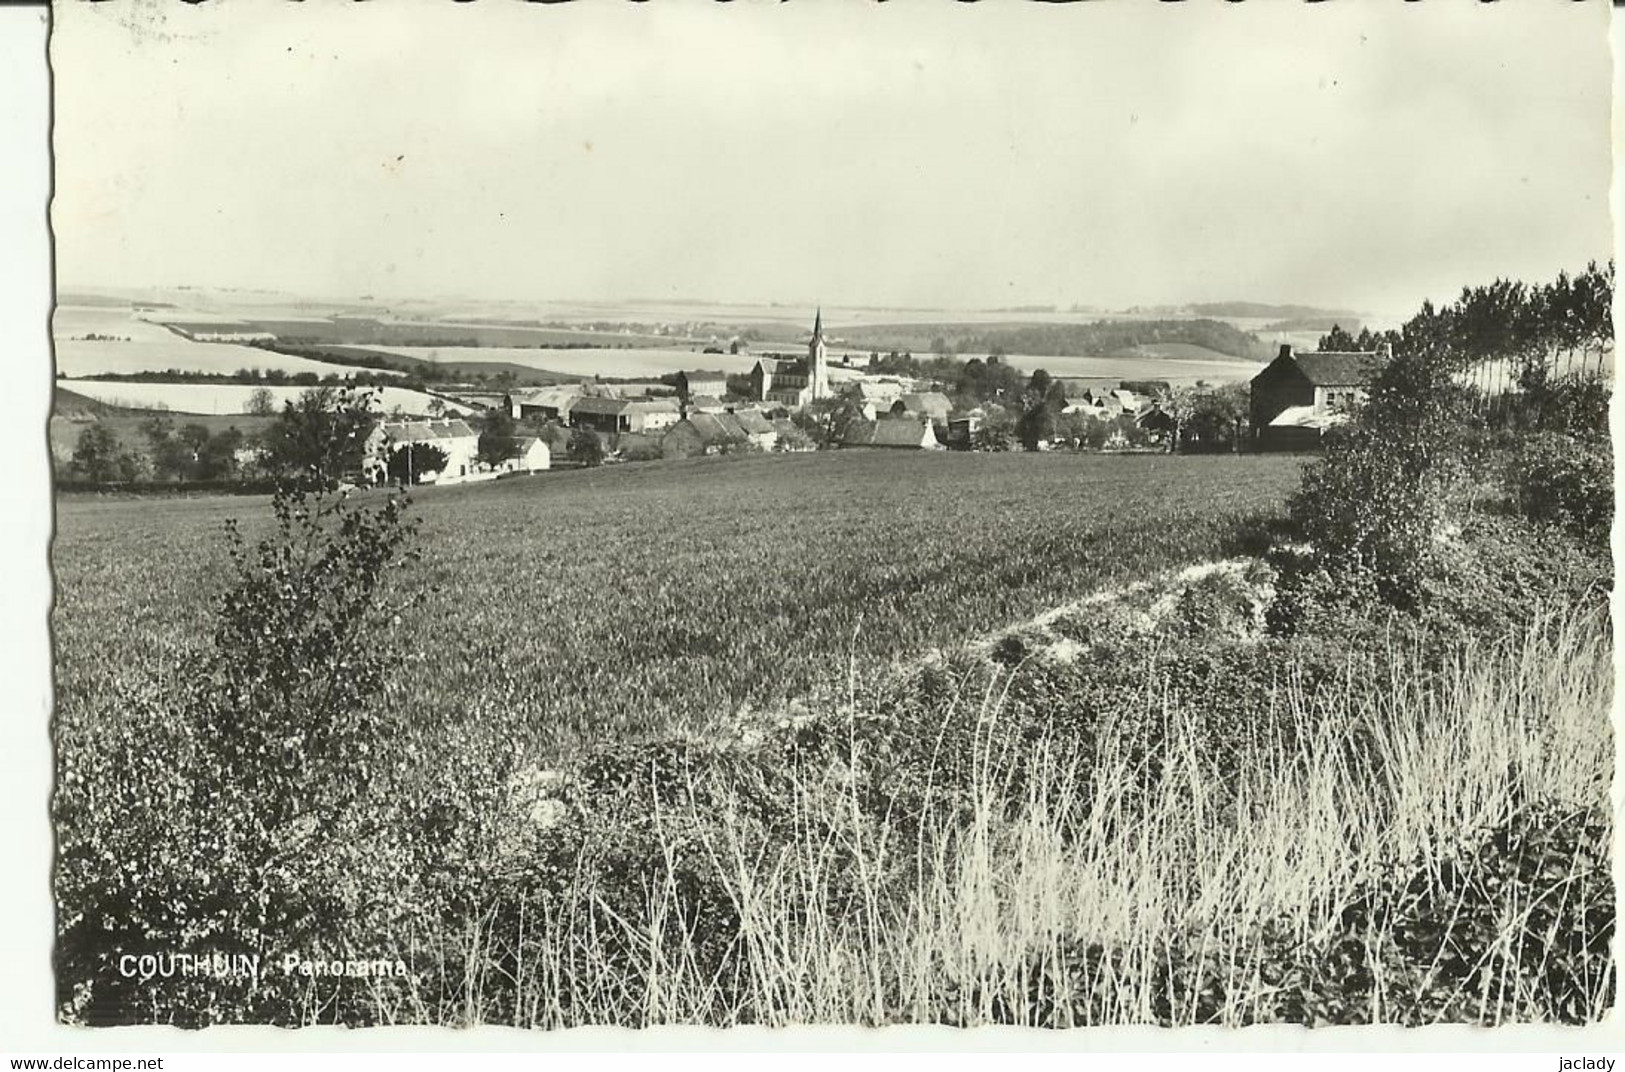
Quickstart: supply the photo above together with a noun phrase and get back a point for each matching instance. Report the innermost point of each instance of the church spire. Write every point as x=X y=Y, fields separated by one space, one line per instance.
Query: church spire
x=818 y=359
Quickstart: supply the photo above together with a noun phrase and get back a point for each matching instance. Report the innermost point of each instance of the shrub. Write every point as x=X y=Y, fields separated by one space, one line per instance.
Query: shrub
x=244 y=807
x=1377 y=502
x=586 y=448
x=1567 y=481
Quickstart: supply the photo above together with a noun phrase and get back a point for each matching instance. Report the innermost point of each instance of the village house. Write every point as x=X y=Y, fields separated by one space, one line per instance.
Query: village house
x=454 y=438
x=707 y=404
x=1087 y=388
x=1298 y=396
x=1155 y=421
x=880 y=393
x=702 y=433
x=794 y=383
x=906 y=432
x=787 y=437
x=933 y=405
x=533 y=456
x=756 y=428
x=1125 y=403
x=692 y=385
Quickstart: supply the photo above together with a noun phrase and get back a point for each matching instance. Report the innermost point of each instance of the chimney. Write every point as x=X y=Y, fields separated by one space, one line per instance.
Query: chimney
x=1286 y=349
x=1385 y=350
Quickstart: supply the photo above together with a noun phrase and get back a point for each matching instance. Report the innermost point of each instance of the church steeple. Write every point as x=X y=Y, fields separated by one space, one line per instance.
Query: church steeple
x=818 y=359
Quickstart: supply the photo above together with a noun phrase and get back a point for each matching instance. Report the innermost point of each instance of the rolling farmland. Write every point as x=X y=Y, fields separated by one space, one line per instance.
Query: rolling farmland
x=77 y=357
x=221 y=398
x=576 y=606
x=586 y=363
x=95 y=340
x=101 y=339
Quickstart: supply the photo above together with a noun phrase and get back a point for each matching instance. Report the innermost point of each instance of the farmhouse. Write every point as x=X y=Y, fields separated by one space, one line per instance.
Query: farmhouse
x=543 y=403
x=1298 y=396
x=454 y=438
x=900 y=433
x=796 y=383
x=615 y=415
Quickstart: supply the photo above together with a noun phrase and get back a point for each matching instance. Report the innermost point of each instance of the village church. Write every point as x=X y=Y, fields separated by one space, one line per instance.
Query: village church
x=793 y=384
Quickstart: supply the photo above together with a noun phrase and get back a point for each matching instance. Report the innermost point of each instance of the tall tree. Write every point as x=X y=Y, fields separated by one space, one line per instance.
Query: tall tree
x=97 y=453
x=1179 y=404
x=411 y=463
x=320 y=438
x=261 y=402
x=498 y=437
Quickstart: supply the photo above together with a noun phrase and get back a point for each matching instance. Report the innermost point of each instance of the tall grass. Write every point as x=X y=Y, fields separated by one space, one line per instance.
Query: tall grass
x=1116 y=897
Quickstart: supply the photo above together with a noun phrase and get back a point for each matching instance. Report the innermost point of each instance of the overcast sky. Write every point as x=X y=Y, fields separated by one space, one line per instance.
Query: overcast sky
x=914 y=153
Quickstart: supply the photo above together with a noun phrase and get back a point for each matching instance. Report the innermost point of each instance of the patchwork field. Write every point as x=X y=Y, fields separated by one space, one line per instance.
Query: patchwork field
x=94 y=340
x=586 y=363
x=221 y=398
x=79 y=357
x=74 y=322
x=577 y=606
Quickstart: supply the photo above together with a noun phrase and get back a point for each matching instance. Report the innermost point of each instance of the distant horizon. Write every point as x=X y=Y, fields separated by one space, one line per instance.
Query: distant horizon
x=1147 y=308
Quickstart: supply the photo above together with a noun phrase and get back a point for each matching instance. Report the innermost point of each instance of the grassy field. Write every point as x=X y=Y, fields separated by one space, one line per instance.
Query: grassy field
x=576 y=607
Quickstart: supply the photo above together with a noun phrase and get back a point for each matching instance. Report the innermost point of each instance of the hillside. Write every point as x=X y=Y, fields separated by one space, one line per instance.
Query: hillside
x=72 y=406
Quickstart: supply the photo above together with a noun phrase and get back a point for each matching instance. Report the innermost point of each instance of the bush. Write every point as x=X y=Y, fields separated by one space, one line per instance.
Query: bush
x=244 y=807
x=1376 y=504
x=1565 y=480
x=586 y=448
